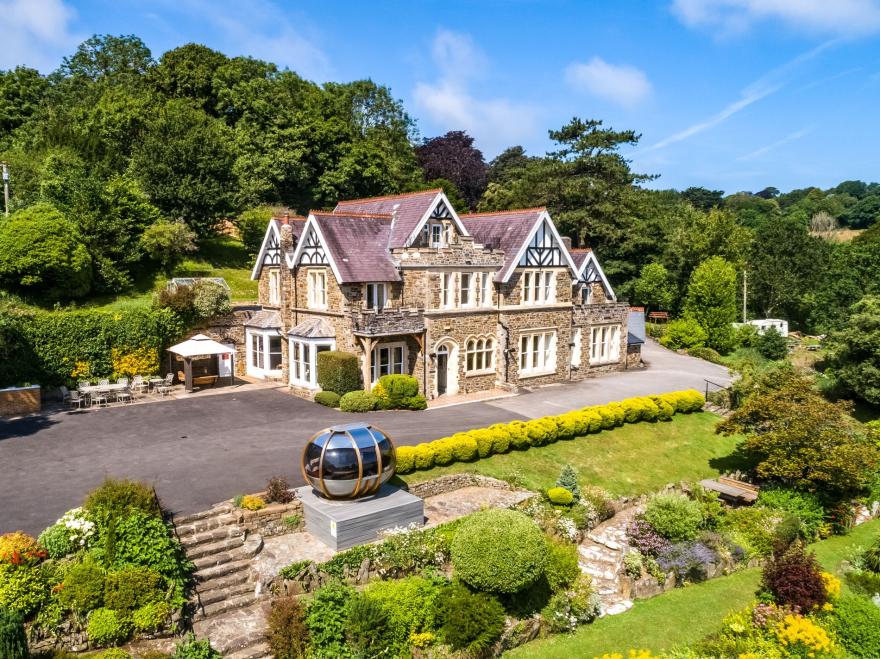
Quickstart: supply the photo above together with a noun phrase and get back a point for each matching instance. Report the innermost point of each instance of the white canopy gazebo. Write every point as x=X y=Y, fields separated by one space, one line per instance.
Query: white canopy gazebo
x=200 y=346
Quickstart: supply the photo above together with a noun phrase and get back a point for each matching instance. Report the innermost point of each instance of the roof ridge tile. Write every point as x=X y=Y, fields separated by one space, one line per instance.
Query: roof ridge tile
x=509 y=212
x=390 y=196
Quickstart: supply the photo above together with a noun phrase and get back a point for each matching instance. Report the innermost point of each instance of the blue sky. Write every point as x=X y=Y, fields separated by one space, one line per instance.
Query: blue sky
x=729 y=94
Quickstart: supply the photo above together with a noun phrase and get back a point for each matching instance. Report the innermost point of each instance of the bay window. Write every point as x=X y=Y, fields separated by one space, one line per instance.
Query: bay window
x=304 y=360
x=263 y=353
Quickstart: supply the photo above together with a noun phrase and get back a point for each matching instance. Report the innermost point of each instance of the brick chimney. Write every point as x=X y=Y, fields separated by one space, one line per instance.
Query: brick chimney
x=287 y=217
x=566 y=240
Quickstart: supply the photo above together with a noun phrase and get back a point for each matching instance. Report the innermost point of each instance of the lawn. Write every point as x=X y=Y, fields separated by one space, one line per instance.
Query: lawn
x=681 y=616
x=630 y=460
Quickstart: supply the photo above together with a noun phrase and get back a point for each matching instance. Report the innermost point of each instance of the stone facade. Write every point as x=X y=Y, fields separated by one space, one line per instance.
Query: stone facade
x=17 y=401
x=436 y=336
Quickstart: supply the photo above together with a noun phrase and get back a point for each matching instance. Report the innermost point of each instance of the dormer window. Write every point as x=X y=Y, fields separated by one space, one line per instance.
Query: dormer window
x=317 y=289
x=274 y=287
x=436 y=235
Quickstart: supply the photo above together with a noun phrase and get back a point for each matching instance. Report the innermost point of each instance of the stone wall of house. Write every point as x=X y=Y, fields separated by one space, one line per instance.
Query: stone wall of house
x=229 y=329
x=512 y=289
x=587 y=316
x=17 y=401
x=454 y=328
x=532 y=320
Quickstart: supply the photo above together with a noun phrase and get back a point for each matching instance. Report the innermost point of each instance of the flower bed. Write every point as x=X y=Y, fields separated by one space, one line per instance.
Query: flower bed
x=101 y=574
x=522 y=435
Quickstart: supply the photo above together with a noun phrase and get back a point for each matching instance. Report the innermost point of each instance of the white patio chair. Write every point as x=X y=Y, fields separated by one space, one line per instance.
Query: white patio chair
x=123 y=381
x=165 y=387
x=99 y=399
x=76 y=399
x=124 y=396
x=138 y=386
x=82 y=384
x=104 y=382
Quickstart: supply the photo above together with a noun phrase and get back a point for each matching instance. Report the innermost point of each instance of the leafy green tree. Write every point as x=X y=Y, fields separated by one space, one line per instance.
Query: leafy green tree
x=252 y=225
x=751 y=210
x=168 y=242
x=41 y=255
x=508 y=164
x=188 y=72
x=855 y=350
x=796 y=437
x=21 y=92
x=863 y=214
x=184 y=164
x=785 y=263
x=702 y=198
x=121 y=59
x=452 y=193
x=684 y=333
x=772 y=345
x=654 y=288
x=711 y=301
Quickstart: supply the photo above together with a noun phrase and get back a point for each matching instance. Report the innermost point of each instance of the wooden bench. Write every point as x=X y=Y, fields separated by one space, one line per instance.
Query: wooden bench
x=659 y=315
x=199 y=380
x=732 y=489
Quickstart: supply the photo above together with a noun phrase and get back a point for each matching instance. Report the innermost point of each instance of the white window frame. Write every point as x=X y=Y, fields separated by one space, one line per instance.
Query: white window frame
x=604 y=344
x=576 y=341
x=588 y=294
x=480 y=355
x=486 y=288
x=259 y=353
x=274 y=286
x=436 y=235
x=376 y=296
x=538 y=287
x=317 y=288
x=537 y=353
x=466 y=292
x=303 y=359
x=447 y=290
x=376 y=370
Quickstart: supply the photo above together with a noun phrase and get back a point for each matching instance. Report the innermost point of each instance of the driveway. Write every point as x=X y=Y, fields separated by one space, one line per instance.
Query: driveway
x=200 y=451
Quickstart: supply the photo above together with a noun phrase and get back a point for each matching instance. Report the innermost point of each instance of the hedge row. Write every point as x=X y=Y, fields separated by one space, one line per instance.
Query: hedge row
x=59 y=347
x=521 y=435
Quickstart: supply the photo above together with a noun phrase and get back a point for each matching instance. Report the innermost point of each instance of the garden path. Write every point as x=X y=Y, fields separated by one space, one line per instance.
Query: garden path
x=602 y=553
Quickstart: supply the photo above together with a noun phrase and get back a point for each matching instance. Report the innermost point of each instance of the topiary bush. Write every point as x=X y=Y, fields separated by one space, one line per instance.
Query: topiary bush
x=83 y=587
x=568 y=479
x=406 y=456
x=856 y=624
x=13 y=640
x=423 y=456
x=107 y=627
x=328 y=398
x=469 y=621
x=703 y=352
x=499 y=551
x=338 y=371
x=562 y=564
x=395 y=392
x=278 y=490
x=287 y=633
x=674 y=516
x=560 y=496
x=358 y=401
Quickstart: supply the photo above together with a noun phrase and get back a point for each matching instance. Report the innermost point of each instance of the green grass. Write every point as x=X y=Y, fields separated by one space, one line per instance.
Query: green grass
x=682 y=616
x=630 y=460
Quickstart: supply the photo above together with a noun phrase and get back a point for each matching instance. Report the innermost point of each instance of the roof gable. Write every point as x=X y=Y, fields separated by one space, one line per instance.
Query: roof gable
x=270 y=251
x=589 y=271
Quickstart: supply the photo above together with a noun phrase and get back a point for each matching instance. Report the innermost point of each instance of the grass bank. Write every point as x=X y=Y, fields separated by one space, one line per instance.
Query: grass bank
x=682 y=616
x=629 y=460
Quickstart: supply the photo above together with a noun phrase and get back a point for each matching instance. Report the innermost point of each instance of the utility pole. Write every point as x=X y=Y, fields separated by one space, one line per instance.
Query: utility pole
x=745 y=294
x=5 y=188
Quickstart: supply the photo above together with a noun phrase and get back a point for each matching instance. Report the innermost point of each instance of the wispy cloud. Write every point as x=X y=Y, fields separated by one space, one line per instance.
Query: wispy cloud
x=757 y=153
x=450 y=101
x=623 y=85
x=831 y=78
x=850 y=18
x=261 y=29
x=35 y=33
x=766 y=85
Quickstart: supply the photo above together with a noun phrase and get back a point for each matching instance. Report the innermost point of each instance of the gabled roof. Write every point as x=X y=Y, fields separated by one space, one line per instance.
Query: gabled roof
x=265 y=319
x=413 y=209
x=511 y=231
x=356 y=245
x=313 y=328
x=587 y=259
x=273 y=231
x=579 y=256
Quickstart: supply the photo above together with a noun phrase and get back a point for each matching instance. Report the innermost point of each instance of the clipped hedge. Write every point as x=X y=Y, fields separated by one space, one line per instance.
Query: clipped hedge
x=358 y=401
x=399 y=392
x=520 y=435
x=327 y=398
x=338 y=371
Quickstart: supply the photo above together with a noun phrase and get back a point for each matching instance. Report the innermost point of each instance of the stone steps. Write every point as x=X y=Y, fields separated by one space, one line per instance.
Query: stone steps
x=183 y=520
x=225 y=604
x=218 y=548
x=208 y=596
x=192 y=540
x=205 y=524
x=258 y=651
x=222 y=570
x=224 y=581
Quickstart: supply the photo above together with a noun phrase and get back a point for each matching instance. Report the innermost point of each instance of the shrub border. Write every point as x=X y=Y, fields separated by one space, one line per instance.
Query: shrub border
x=473 y=445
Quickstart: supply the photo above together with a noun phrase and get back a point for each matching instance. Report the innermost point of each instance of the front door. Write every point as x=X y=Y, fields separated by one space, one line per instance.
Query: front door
x=442 y=367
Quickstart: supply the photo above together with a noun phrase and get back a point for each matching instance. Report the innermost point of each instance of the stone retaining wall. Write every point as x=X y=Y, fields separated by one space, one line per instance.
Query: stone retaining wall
x=269 y=521
x=444 y=484
x=16 y=401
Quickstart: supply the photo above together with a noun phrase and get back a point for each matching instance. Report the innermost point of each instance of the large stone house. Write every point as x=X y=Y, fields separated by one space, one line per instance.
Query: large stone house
x=464 y=303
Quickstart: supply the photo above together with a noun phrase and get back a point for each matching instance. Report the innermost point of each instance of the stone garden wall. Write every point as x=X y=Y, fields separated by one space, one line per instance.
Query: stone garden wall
x=16 y=401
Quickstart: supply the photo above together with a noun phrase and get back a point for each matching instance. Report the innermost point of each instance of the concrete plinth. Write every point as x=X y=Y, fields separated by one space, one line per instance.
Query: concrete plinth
x=344 y=524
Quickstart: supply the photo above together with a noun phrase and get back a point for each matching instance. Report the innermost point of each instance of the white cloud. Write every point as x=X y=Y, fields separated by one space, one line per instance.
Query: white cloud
x=35 y=33
x=838 y=17
x=496 y=122
x=757 y=153
x=261 y=29
x=620 y=84
x=766 y=85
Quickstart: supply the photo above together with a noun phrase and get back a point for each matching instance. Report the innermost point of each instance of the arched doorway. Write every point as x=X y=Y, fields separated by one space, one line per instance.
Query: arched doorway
x=446 y=365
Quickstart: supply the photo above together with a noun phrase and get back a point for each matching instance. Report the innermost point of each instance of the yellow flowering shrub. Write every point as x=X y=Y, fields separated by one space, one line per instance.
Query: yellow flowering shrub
x=832 y=585
x=252 y=502
x=802 y=637
x=422 y=640
x=142 y=361
x=81 y=369
x=632 y=654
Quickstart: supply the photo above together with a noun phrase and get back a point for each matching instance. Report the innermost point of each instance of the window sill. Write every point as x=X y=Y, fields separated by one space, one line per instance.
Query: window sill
x=485 y=371
x=534 y=374
x=604 y=362
x=304 y=385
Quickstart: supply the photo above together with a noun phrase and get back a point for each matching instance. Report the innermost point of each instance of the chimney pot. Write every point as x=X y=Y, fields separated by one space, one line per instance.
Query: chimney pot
x=287 y=217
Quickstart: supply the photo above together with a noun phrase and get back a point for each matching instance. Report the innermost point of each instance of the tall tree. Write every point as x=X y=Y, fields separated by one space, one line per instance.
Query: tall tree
x=121 y=60
x=507 y=164
x=21 y=92
x=855 y=350
x=654 y=289
x=453 y=156
x=702 y=198
x=711 y=301
x=188 y=72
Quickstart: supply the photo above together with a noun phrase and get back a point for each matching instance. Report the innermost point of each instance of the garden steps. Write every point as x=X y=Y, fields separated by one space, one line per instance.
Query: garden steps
x=219 y=548
x=258 y=651
x=218 y=521
x=184 y=520
x=601 y=556
x=192 y=540
x=239 y=633
x=225 y=604
x=212 y=595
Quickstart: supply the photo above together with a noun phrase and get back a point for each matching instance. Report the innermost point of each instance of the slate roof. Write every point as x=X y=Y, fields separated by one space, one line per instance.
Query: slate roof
x=313 y=328
x=636 y=327
x=264 y=319
x=579 y=256
x=504 y=230
x=358 y=244
x=412 y=207
x=296 y=223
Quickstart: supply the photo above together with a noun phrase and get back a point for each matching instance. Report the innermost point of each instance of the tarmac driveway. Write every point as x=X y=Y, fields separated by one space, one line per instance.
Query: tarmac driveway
x=200 y=451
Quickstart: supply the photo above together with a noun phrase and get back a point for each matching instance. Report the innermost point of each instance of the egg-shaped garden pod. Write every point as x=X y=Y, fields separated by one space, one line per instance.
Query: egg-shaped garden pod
x=348 y=461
